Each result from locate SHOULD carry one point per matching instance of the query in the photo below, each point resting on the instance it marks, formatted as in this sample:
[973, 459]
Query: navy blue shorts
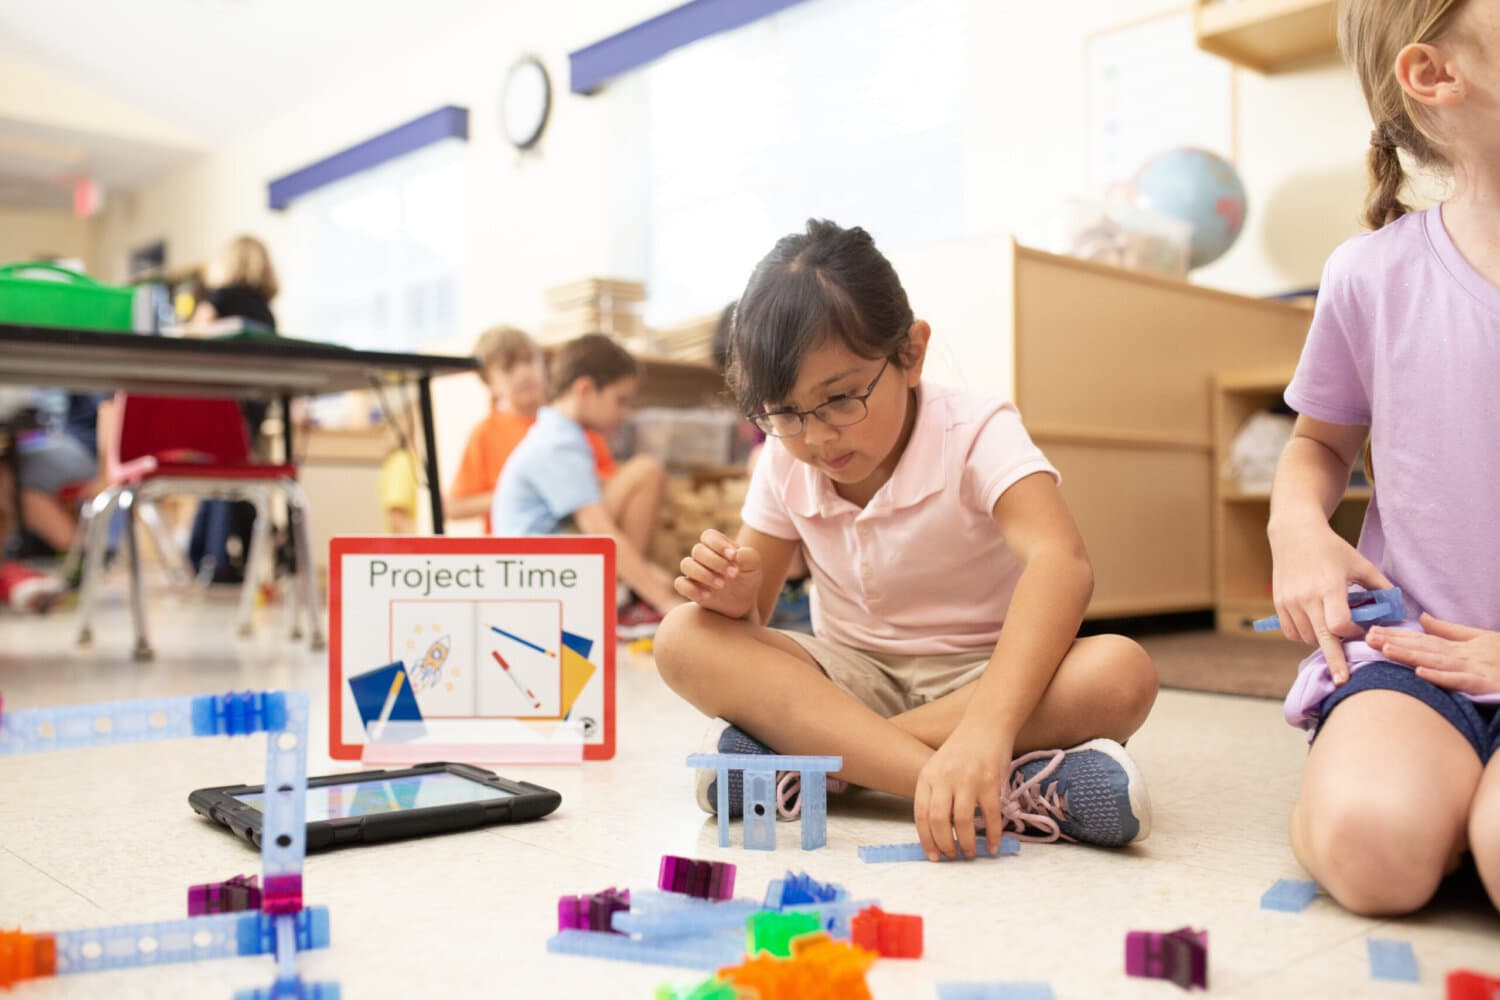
[1479, 724]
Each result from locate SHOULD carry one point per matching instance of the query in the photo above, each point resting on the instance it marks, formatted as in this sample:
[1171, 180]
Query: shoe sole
[1135, 785]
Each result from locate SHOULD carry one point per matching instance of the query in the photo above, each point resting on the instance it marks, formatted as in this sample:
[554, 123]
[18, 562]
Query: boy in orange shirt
[512, 367]
[510, 363]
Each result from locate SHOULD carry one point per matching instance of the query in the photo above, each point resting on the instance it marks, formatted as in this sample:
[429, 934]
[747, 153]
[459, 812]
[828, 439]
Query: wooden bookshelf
[1242, 555]
[1267, 35]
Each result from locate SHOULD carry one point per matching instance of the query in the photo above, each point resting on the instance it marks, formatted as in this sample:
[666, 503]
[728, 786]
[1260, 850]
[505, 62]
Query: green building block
[711, 988]
[772, 932]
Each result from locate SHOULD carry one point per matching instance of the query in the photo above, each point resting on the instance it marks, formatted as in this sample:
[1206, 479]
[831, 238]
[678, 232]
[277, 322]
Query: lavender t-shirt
[1406, 340]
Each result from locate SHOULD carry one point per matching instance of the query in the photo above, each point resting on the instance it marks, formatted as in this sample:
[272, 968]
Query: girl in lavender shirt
[1404, 775]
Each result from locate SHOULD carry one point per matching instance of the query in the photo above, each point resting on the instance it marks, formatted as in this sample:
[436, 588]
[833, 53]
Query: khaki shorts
[892, 683]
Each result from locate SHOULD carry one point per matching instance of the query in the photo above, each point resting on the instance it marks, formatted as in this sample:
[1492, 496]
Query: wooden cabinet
[1267, 35]
[1113, 376]
[1242, 555]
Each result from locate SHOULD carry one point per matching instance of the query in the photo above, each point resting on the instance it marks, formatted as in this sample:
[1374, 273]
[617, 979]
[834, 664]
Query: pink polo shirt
[921, 569]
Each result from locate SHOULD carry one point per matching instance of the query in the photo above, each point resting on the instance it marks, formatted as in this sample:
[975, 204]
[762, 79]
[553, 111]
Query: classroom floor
[98, 837]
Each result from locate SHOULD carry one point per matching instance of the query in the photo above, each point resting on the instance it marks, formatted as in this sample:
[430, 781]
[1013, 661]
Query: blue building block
[803, 888]
[239, 713]
[1367, 607]
[689, 953]
[71, 727]
[760, 827]
[874, 854]
[1289, 895]
[292, 989]
[995, 991]
[1393, 961]
[222, 935]
[685, 922]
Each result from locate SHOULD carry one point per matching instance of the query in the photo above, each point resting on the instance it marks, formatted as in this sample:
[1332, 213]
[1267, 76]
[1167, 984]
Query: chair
[174, 446]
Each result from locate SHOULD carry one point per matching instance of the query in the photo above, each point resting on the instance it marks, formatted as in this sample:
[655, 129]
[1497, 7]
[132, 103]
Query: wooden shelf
[1229, 495]
[1267, 35]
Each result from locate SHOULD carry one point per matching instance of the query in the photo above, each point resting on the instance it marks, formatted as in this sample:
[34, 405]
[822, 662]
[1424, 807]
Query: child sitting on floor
[1404, 773]
[549, 484]
[950, 579]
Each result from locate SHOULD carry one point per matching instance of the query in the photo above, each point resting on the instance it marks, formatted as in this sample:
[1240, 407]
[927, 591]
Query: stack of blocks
[759, 795]
[282, 926]
[1180, 956]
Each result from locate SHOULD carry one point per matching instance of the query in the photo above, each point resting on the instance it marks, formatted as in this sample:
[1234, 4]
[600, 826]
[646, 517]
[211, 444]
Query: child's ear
[913, 353]
[1428, 76]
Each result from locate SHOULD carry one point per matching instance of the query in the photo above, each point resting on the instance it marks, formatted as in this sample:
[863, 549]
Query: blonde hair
[504, 347]
[1372, 34]
[244, 261]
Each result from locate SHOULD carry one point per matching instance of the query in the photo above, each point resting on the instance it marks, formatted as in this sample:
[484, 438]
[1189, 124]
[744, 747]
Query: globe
[1200, 188]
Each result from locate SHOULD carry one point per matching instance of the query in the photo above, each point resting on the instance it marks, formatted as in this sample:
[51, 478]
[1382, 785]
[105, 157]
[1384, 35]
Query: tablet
[369, 807]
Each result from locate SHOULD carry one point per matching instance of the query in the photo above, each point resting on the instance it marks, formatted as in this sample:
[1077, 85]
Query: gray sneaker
[721, 737]
[1091, 793]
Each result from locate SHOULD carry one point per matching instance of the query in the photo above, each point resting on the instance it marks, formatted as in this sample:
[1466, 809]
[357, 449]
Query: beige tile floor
[105, 836]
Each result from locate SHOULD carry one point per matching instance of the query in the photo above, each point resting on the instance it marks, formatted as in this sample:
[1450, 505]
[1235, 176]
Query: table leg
[429, 442]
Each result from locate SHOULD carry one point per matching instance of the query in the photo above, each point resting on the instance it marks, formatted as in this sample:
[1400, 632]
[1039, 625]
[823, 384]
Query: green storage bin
[60, 297]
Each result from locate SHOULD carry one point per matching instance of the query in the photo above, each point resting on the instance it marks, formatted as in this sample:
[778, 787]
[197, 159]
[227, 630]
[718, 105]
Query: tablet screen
[366, 798]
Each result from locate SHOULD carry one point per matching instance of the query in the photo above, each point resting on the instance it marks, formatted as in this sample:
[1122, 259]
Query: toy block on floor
[759, 794]
[1393, 961]
[700, 879]
[1289, 895]
[890, 935]
[1180, 956]
[1466, 984]
[877, 854]
[593, 912]
[230, 896]
[771, 932]
[995, 991]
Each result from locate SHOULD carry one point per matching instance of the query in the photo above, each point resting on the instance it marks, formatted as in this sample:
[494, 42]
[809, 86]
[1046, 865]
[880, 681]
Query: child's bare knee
[678, 646]
[1127, 677]
[1373, 855]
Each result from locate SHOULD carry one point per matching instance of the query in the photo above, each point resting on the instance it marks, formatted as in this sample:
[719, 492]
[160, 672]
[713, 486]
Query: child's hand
[1311, 573]
[721, 576]
[965, 774]
[1451, 656]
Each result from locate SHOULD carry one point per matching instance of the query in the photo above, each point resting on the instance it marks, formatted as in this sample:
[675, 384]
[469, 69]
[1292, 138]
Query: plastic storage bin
[42, 294]
[687, 437]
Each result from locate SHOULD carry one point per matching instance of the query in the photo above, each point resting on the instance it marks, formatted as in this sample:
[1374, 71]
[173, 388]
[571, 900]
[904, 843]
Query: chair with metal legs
[170, 446]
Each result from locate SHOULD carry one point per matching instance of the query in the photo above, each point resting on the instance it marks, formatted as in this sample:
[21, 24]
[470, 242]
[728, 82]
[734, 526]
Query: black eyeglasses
[840, 411]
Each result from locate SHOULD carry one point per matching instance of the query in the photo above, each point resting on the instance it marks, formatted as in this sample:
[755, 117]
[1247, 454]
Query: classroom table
[256, 366]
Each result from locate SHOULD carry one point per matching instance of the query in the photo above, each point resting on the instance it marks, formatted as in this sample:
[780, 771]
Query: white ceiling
[213, 68]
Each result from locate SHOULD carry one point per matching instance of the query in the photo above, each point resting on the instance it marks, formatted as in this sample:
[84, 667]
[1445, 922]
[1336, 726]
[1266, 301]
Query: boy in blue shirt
[550, 483]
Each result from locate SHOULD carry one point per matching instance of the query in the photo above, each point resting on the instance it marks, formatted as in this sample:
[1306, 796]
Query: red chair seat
[197, 471]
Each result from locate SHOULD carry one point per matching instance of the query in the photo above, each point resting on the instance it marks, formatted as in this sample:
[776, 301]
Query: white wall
[26, 235]
[576, 207]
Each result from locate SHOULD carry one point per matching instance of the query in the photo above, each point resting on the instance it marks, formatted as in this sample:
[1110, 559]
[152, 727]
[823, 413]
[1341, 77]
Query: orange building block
[819, 967]
[892, 935]
[26, 956]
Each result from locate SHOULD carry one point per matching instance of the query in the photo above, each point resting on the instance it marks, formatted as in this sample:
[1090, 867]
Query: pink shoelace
[1027, 806]
[789, 793]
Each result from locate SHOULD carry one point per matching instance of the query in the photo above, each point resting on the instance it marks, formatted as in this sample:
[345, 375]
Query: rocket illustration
[430, 670]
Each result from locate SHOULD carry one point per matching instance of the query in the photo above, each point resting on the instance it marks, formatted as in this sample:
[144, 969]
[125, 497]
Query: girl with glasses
[949, 580]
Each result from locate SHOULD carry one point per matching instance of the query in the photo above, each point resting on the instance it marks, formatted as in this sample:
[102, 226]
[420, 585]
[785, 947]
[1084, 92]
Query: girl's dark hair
[825, 283]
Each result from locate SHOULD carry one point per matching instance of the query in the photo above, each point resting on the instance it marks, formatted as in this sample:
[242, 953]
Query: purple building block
[231, 896]
[593, 912]
[1180, 956]
[700, 879]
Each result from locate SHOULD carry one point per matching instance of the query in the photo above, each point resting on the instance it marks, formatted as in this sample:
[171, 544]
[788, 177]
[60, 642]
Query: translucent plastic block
[814, 793]
[26, 956]
[294, 989]
[1367, 607]
[760, 810]
[594, 912]
[712, 988]
[239, 713]
[874, 854]
[703, 879]
[1180, 956]
[224, 935]
[685, 922]
[688, 953]
[1393, 961]
[801, 888]
[1289, 895]
[765, 761]
[71, 727]
[230, 896]
[891, 935]
[284, 828]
